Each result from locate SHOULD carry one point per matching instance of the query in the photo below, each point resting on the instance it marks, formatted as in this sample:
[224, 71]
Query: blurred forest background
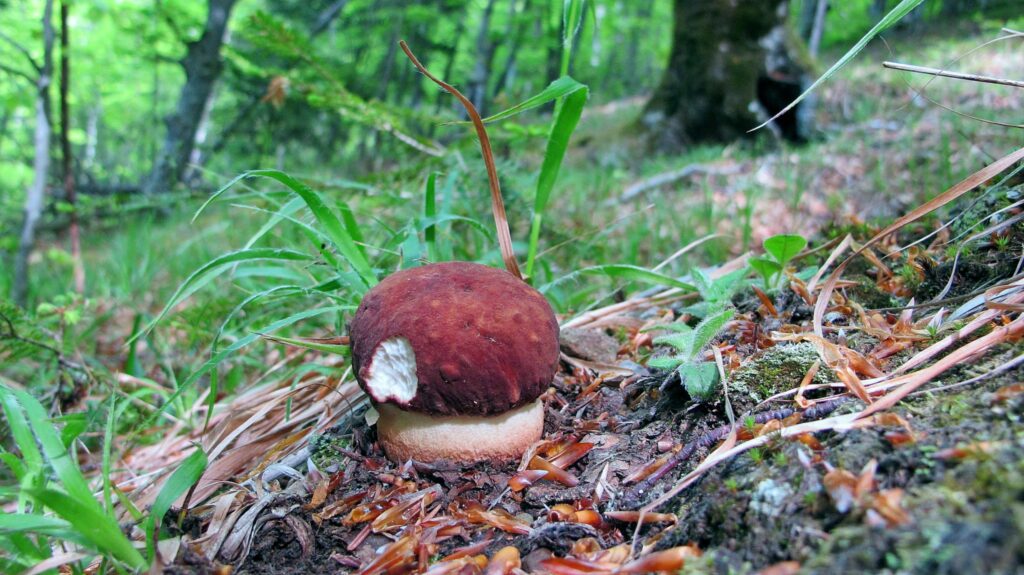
[109, 111]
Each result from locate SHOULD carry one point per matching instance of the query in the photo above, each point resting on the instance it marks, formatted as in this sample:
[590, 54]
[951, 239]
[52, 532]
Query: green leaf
[681, 341]
[183, 478]
[74, 425]
[766, 267]
[894, 16]
[94, 526]
[665, 362]
[699, 379]
[707, 329]
[49, 440]
[784, 247]
[429, 213]
[20, 431]
[677, 327]
[559, 88]
[287, 209]
[558, 143]
[215, 267]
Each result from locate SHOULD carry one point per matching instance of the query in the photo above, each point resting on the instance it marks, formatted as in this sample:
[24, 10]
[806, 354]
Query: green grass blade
[429, 213]
[184, 477]
[894, 16]
[108, 442]
[572, 21]
[425, 223]
[560, 88]
[626, 272]
[339, 234]
[558, 142]
[352, 226]
[215, 267]
[309, 344]
[57, 455]
[89, 521]
[20, 431]
[287, 209]
[332, 226]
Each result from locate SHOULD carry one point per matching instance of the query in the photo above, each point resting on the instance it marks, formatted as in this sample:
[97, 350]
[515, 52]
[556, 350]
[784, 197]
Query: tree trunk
[477, 92]
[41, 163]
[202, 66]
[729, 67]
[818, 30]
[65, 150]
[516, 30]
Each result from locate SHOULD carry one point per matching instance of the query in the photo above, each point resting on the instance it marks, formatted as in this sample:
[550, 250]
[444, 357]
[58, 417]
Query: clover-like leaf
[784, 247]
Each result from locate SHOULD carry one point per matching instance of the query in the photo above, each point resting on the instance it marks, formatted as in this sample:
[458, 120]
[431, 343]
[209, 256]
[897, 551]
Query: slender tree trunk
[516, 30]
[477, 92]
[453, 54]
[202, 66]
[65, 150]
[818, 30]
[41, 163]
[92, 133]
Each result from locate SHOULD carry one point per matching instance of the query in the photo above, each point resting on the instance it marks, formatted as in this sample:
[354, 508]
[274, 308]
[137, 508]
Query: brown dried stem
[497, 205]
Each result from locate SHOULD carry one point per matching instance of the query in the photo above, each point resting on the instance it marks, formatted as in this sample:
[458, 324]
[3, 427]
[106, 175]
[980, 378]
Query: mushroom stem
[460, 438]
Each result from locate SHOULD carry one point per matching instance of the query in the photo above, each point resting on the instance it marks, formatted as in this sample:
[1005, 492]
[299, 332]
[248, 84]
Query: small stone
[589, 344]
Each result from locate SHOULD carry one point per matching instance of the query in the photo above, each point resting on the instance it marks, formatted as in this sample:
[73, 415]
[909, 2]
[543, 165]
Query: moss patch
[775, 370]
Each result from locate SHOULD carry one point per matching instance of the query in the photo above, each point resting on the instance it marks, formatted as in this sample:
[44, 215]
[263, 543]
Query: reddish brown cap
[483, 341]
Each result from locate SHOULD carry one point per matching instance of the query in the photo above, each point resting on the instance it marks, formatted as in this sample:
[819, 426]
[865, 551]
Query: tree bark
[41, 163]
[818, 30]
[730, 66]
[203, 66]
[477, 89]
[516, 30]
[65, 150]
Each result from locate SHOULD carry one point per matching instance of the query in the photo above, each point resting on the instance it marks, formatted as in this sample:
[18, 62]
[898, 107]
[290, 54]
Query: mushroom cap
[454, 338]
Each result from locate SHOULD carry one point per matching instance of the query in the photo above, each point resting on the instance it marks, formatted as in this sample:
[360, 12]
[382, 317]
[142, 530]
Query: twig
[955, 75]
[24, 52]
[638, 188]
[632, 498]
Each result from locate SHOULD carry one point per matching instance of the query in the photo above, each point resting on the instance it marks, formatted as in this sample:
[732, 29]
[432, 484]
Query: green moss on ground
[966, 509]
[777, 369]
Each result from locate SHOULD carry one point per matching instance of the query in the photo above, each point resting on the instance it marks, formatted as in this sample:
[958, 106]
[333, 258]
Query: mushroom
[454, 357]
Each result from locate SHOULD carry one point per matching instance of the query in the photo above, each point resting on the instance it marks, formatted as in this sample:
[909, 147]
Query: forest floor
[880, 435]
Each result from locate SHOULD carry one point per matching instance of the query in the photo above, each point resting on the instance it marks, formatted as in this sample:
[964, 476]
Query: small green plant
[779, 251]
[52, 502]
[750, 424]
[699, 377]
[756, 455]
[715, 294]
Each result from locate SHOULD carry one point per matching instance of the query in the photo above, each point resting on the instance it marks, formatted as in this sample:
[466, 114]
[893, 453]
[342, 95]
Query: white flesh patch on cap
[393, 371]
